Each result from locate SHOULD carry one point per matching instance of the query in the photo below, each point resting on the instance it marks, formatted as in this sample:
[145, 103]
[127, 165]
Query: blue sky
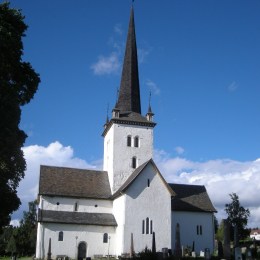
[199, 58]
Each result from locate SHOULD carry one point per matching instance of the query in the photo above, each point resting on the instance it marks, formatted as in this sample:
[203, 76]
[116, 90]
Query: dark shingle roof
[83, 218]
[191, 198]
[62, 181]
[129, 118]
[129, 93]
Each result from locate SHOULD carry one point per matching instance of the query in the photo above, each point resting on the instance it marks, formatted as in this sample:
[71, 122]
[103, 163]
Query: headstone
[207, 253]
[132, 251]
[49, 250]
[248, 254]
[177, 250]
[226, 246]
[165, 252]
[238, 254]
[220, 250]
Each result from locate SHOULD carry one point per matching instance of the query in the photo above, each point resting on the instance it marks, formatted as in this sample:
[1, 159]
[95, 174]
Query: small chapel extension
[87, 213]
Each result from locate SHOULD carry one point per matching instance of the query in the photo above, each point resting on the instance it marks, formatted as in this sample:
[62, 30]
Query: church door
[82, 250]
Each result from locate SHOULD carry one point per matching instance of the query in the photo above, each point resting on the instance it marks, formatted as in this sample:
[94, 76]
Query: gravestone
[226, 246]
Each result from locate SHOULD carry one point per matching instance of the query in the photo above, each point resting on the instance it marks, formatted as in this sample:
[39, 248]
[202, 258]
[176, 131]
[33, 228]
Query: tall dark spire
[129, 93]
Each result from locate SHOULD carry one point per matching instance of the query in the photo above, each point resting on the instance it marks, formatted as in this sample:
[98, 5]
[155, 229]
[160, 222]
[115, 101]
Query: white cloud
[220, 177]
[106, 65]
[142, 54]
[118, 29]
[55, 154]
[233, 86]
[179, 150]
[153, 87]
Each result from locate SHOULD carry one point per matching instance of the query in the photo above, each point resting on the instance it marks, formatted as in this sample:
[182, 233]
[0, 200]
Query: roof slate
[80, 218]
[191, 198]
[62, 181]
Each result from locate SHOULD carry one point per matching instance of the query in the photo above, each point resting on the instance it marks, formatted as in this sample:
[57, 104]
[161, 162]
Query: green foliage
[18, 84]
[220, 232]
[237, 215]
[11, 246]
[22, 239]
[5, 238]
[26, 234]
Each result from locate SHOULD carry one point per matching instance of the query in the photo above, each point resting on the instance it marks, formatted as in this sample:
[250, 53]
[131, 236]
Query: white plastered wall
[153, 202]
[72, 236]
[68, 204]
[188, 229]
[118, 156]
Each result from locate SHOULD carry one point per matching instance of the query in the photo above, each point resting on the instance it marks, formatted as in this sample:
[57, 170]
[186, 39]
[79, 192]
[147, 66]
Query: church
[93, 213]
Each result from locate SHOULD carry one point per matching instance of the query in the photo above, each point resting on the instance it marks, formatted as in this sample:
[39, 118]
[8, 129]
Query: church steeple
[129, 93]
[128, 136]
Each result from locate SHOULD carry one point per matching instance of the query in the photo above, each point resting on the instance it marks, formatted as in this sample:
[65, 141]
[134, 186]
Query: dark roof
[66, 217]
[135, 174]
[191, 198]
[129, 118]
[129, 93]
[62, 181]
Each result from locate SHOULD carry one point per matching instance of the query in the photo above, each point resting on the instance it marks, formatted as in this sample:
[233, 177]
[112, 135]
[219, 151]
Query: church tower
[128, 136]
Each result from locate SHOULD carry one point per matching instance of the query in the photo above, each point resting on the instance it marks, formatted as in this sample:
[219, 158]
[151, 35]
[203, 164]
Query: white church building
[90, 213]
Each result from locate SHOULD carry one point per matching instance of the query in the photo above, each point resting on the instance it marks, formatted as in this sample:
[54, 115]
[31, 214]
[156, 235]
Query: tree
[237, 216]
[26, 233]
[18, 84]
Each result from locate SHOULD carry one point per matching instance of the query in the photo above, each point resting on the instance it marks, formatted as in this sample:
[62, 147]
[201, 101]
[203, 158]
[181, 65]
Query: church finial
[149, 108]
[150, 114]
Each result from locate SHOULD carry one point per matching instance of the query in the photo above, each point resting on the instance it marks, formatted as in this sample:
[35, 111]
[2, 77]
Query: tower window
[60, 236]
[129, 140]
[148, 182]
[143, 227]
[136, 141]
[151, 226]
[134, 162]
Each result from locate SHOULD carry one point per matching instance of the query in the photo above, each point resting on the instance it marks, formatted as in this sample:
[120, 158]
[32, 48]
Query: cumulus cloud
[55, 154]
[106, 65]
[153, 87]
[221, 177]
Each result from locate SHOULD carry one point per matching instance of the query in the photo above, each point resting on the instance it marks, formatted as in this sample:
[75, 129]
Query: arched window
[147, 226]
[60, 236]
[134, 162]
[105, 238]
[136, 141]
[129, 140]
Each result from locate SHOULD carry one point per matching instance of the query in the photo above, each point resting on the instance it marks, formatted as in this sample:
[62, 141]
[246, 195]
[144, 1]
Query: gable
[71, 182]
[138, 171]
[191, 198]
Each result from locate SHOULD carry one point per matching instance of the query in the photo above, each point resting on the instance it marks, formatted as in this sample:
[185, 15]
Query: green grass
[20, 258]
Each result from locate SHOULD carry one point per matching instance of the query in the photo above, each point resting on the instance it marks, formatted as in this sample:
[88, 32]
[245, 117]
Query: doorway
[82, 250]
